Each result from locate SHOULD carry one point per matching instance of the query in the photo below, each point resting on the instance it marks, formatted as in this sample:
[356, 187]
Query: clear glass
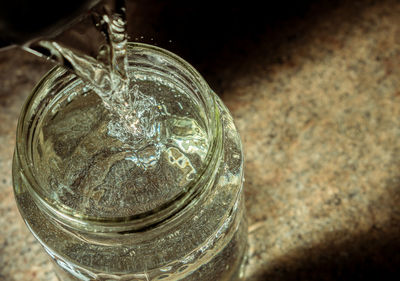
[187, 225]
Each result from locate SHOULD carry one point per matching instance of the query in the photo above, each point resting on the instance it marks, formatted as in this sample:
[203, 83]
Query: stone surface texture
[316, 97]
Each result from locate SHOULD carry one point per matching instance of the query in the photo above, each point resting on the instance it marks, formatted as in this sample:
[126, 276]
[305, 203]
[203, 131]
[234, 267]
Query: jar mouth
[46, 97]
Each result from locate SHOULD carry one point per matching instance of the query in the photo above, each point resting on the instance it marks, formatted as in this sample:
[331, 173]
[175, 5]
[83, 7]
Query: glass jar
[104, 213]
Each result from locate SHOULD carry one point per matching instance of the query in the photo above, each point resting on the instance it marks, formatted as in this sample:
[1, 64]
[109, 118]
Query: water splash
[134, 115]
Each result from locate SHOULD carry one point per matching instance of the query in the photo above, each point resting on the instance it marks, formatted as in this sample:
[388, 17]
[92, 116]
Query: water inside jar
[120, 142]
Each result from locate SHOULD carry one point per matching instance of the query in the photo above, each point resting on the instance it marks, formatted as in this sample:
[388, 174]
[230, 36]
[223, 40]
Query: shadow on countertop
[227, 39]
[371, 254]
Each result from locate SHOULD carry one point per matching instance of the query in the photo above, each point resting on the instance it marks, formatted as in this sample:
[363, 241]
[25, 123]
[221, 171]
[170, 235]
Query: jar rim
[25, 133]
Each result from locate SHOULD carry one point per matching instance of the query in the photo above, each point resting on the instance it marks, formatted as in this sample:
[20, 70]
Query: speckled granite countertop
[315, 93]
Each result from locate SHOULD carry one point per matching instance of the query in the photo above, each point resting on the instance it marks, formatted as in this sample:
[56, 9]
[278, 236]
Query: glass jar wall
[169, 209]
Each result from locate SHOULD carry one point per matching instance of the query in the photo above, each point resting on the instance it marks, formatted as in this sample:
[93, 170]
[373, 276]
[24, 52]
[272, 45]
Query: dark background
[219, 35]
